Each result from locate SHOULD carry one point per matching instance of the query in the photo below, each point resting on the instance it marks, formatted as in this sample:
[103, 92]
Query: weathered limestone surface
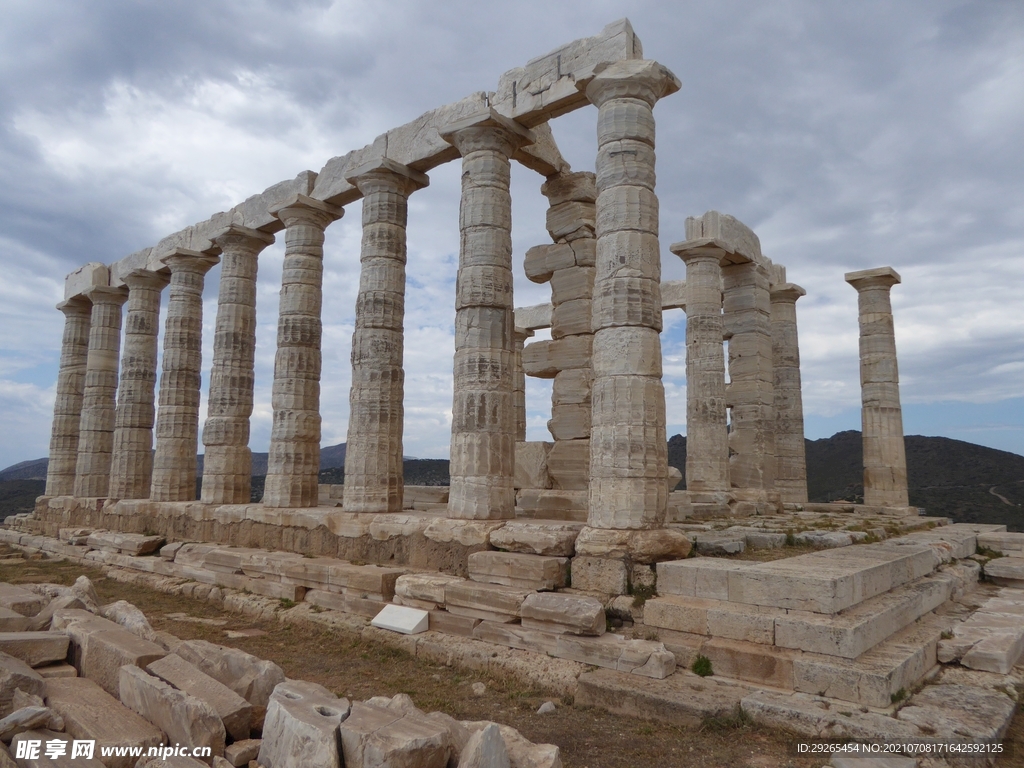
[628, 448]
[234, 711]
[519, 337]
[131, 467]
[373, 458]
[251, 678]
[35, 648]
[96, 428]
[547, 537]
[294, 461]
[67, 409]
[101, 648]
[89, 712]
[885, 460]
[177, 421]
[790, 456]
[301, 727]
[227, 463]
[483, 418]
[373, 735]
[570, 614]
[514, 569]
[16, 674]
[20, 600]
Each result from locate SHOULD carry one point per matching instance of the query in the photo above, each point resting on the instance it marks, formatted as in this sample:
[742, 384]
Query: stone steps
[990, 639]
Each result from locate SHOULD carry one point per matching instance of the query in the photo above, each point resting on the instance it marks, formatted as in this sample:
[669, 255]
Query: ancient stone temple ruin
[535, 546]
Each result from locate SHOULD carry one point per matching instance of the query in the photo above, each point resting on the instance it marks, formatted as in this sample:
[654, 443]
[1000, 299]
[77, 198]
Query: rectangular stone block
[515, 636]
[544, 359]
[12, 621]
[135, 544]
[21, 600]
[1006, 571]
[706, 577]
[599, 574]
[513, 569]
[552, 504]
[89, 712]
[542, 261]
[100, 651]
[428, 587]
[532, 464]
[638, 657]
[569, 465]
[570, 422]
[450, 624]
[563, 614]
[376, 736]
[753, 662]
[35, 648]
[1004, 543]
[333, 601]
[234, 711]
[301, 726]
[484, 601]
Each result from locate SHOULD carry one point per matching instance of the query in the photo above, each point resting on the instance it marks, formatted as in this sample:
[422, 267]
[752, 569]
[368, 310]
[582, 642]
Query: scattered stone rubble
[111, 685]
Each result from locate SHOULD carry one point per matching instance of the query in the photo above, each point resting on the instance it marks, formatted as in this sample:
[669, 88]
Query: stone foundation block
[537, 537]
[301, 727]
[484, 601]
[532, 465]
[599, 574]
[425, 587]
[553, 504]
[563, 614]
[134, 544]
[704, 577]
[513, 569]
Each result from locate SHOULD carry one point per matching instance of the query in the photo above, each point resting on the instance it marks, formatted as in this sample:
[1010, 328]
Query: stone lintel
[420, 180]
[786, 292]
[238, 229]
[86, 277]
[304, 201]
[522, 334]
[673, 294]
[873, 278]
[487, 118]
[543, 156]
[534, 318]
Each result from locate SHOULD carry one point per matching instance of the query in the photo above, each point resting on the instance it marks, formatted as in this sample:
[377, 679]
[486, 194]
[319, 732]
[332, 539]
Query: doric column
[227, 461]
[707, 434]
[519, 337]
[790, 456]
[747, 322]
[294, 465]
[177, 420]
[67, 409]
[96, 429]
[628, 448]
[373, 454]
[885, 460]
[483, 419]
[131, 468]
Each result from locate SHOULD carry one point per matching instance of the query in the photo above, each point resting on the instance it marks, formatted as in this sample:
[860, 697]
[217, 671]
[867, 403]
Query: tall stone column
[373, 454]
[628, 447]
[885, 460]
[96, 429]
[483, 419]
[747, 318]
[227, 461]
[519, 337]
[131, 468]
[294, 464]
[707, 434]
[177, 420]
[67, 409]
[790, 455]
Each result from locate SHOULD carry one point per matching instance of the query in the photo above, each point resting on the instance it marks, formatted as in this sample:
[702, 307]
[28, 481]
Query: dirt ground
[588, 738]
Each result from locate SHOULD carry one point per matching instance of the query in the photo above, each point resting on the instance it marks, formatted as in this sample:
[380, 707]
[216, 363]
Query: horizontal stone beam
[735, 239]
[92, 275]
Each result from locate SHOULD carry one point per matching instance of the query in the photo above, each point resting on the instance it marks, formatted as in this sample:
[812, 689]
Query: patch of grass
[736, 719]
[899, 696]
[946, 635]
[286, 604]
[702, 666]
[641, 594]
[991, 554]
[790, 539]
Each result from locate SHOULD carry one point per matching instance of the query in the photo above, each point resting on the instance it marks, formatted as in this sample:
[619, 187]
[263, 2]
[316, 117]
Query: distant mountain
[33, 469]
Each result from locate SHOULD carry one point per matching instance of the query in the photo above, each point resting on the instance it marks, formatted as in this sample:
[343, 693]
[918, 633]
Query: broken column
[747, 324]
[373, 456]
[790, 455]
[483, 425]
[707, 435]
[294, 464]
[227, 462]
[131, 468]
[67, 408]
[96, 429]
[628, 447]
[177, 420]
[885, 461]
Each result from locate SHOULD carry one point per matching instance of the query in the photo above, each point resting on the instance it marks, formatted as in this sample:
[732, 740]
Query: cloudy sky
[847, 135]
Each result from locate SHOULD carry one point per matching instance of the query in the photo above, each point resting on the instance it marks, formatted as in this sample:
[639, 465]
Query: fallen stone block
[402, 619]
[484, 601]
[32, 744]
[513, 569]
[12, 621]
[538, 537]
[42, 620]
[251, 678]
[301, 727]
[58, 670]
[376, 736]
[89, 712]
[485, 749]
[560, 613]
[713, 544]
[968, 712]
[1006, 571]
[185, 719]
[131, 618]
[16, 674]
[35, 648]
[20, 600]
[27, 719]
[234, 711]
[241, 752]
[100, 651]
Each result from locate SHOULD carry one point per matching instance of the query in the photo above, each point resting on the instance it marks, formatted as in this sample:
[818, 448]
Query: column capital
[699, 251]
[104, 295]
[237, 235]
[487, 130]
[390, 174]
[521, 334]
[881, 277]
[76, 305]
[184, 260]
[630, 79]
[302, 209]
[143, 278]
[784, 292]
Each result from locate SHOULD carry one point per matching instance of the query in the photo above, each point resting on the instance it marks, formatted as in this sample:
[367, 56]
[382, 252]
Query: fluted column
[294, 463]
[67, 408]
[628, 448]
[885, 460]
[177, 420]
[131, 468]
[227, 461]
[790, 455]
[373, 453]
[96, 429]
[482, 464]
[519, 337]
[707, 434]
[750, 393]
